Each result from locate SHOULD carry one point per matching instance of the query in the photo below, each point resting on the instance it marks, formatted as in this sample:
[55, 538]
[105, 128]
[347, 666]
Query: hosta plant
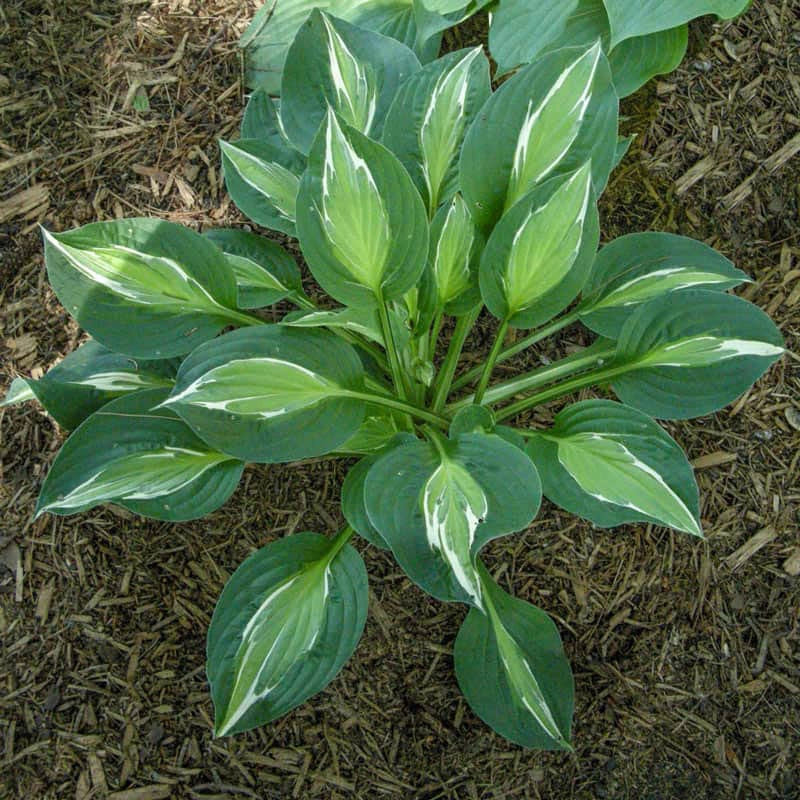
[642, 38]
[419, 197]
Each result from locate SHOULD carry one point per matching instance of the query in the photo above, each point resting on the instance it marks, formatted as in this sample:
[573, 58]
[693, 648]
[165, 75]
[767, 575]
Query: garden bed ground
[686, 654]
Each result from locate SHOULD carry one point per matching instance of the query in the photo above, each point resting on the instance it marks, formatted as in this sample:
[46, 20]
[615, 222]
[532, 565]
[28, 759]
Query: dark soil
[686, 654]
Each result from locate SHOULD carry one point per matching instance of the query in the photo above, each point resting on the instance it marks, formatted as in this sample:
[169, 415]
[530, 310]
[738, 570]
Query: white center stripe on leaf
[524, 686]
[138, 277]
[146, 475]
[356, 222]
[268, 178]
[121, 381]
[443, 123]
[248, 273]
[454, 505]
[453, 251]
[608, 471]
[257, 387]
[547, 242]
[549, 130]
[356, 95]
[701, 351]
[657, 282]
[280, 632]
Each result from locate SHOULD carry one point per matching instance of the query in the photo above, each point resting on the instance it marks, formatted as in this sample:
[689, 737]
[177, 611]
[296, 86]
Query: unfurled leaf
[512, 669]
[271, 393]
[437, 504]
[265, 273]
[539, 125]
[365, 322]
[361, 222]
[262, 121]
[87, 379]
[636, 268]
[518, 36]
[612, 465]
[687, 355]
[146, 459]
[539, 255]
[263, 181]
[550, 127]
[353, 503]
[286, 622]
[638, 17]
[142, 287]
[350, 70]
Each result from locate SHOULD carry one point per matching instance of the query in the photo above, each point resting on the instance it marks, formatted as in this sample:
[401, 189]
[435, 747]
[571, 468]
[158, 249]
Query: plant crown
[417, 195]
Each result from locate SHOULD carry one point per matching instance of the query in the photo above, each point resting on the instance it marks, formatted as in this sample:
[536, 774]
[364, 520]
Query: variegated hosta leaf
[271, 393]
[612, 464]
[262, 121]
[438, 503]
[539, 255]
[454, 242]
[518, 37]
[274, 26]
[444, 122]
[638, 17]
[87, 379]
[690, 355]
[537, 125]
[286, 622]
[429, 117]
[265, 273]
[355, 85]
[263, 181]
[361, 223]
[513, 671]
[550, 128]
[145, 459]
[636, 268]
[143, 287]
[335, 65]
[364, 322]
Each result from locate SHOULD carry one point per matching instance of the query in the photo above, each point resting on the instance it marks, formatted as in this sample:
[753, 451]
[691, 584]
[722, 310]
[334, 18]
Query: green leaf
[263, 181]
[612, 465]
[361, 222]
[377, 430]
[511, 667]
[636, 268]
[638, 17]
[262, 121]
[271, 394]
[687, 357]
[335, 65]
[429, 116]
[265, 273]
[143, 287]
[87, 379]
[539, 255]
[437, 504]
[537, 125]
[364, 322]
[353, 504]
[269, 36]
[518, 37]
[284, 626]
[142, 458]
[472, 419]
[452, 263]
[635, 61]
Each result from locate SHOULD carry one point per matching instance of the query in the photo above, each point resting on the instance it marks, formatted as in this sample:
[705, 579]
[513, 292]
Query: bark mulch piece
[686, 654]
